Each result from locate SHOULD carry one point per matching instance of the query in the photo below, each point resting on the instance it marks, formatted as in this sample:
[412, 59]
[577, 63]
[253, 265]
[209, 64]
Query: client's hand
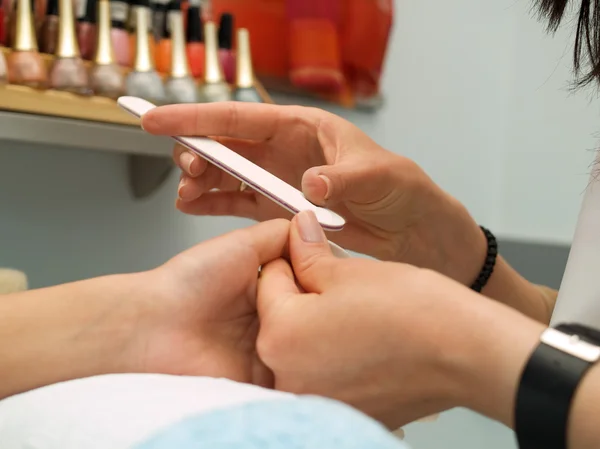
[198, 315]
[397, 342]
[393, 209]
[194, 315]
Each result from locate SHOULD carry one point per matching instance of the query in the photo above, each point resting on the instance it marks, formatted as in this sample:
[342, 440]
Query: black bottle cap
[89, 15]
[119, 12]
[195, 29]
[52, 8]
[142, 3]
[226, 31]
[172, 6]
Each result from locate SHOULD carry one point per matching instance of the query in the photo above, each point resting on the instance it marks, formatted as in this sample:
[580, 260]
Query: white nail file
[246, 171]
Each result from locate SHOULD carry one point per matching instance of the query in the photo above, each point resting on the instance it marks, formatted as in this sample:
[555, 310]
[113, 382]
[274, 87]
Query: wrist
[491, 358]
[66, 332]
[510, 288]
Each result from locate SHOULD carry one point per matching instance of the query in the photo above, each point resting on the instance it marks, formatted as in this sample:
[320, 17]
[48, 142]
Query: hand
[393, 340]
[393, 209]
[194, 315]
[197, 313]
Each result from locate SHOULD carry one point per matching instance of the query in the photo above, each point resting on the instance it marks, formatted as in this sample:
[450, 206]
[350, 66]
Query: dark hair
[586, 57]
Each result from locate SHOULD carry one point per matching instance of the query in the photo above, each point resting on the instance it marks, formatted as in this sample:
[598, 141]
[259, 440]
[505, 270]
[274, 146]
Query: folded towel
[12, 281]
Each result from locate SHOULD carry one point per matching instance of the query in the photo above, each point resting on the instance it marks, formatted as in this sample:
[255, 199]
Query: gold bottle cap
[25, 39]
[179, 63]
[105, 54]
[67, 39]
[244, 77]
[144, 62]
[213, 72]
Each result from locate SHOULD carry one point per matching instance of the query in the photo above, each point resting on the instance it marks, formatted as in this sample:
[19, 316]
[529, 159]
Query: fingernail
[328, 184]
[181, 186]
[186, 160]
[309, 228]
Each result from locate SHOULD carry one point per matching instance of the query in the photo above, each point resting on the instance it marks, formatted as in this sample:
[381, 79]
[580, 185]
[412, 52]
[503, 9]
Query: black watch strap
[548, 385]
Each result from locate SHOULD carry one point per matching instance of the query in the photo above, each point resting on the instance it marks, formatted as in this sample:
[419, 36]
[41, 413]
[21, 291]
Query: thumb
[310, 253]
[332, 184]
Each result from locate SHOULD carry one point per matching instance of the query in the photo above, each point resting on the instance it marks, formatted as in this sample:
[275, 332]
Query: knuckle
[310, 262]
[233, 118]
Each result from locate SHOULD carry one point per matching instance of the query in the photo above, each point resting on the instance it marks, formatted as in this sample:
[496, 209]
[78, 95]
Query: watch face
[584, 333]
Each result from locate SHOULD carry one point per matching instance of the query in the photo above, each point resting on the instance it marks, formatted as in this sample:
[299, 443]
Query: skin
[194, 315]
[398, 361]
[394, 211]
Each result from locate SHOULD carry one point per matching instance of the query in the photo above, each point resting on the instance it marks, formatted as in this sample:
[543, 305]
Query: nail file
[246, 171]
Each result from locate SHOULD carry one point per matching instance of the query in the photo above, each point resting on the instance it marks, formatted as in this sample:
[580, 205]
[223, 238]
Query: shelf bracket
[148, 173]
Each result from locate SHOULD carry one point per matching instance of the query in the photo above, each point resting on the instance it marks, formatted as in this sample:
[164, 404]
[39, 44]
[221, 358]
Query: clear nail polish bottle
[215, 88]
[143, 81]
[107, 77]
[180, 86]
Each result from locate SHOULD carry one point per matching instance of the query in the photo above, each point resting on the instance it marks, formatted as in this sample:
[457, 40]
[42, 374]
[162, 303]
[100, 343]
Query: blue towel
[304, 423]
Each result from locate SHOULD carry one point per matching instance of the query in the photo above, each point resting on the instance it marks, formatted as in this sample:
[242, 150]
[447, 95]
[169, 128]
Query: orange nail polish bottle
[164, 46]
[195, 39]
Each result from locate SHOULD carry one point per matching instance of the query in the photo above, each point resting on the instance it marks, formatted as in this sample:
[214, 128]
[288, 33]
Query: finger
[254, 121]
[213, 177]
[356, 179]
[311, 256]
[222, 204]
[268, 240]
[192, 164]
[276, 283]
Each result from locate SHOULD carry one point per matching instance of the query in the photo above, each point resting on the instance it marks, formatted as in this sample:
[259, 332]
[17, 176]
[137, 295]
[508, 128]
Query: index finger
[268, 240]
[251, 121]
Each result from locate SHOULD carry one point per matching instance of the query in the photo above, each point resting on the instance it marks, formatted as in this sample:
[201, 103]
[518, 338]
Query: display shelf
[63, 119]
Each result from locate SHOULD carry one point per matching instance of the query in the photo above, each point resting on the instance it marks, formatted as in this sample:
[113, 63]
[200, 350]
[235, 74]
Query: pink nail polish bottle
[119, 12]
[226, 55]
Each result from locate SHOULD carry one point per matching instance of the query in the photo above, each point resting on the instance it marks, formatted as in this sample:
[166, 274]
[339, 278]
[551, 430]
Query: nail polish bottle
[119, 10]
[39, 15]
[48, 37]
[180, 86]
[145, 6]
[25, 65]
[195, 39]
[244, 76]
[68, 72]
[12, 25]
[107, 79]
[3, 69]
[143, 81]
[164, 48]
[3, 23]
[215, 88]
[86, 27]
[159, 11]
[226, 47]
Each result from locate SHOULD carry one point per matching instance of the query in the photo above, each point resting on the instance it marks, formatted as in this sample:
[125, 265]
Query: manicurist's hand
[395, 341]
[194, 315]
[393, 209]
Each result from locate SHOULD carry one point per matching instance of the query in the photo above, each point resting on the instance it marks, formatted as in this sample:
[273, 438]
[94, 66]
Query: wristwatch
[549, 383]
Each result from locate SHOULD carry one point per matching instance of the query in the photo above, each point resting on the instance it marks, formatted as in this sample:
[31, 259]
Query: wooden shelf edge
[63, 105]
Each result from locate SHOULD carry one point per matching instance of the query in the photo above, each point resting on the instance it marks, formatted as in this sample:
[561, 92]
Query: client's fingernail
[186, 160]
[309, 228]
